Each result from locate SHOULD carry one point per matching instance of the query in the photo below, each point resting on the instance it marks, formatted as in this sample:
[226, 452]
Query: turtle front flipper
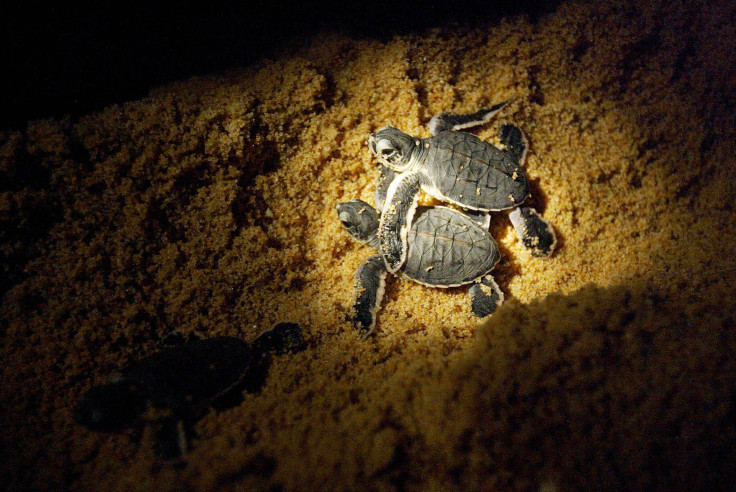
[370, 283]
[451, 121]
[398, 211]
[172, 439]
[534, 232]
[384, 179]
[485, 297]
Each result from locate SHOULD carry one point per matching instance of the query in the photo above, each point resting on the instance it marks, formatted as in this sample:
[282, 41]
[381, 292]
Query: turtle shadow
[174, 387]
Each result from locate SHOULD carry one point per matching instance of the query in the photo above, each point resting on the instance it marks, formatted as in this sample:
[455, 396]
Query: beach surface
[209, 207]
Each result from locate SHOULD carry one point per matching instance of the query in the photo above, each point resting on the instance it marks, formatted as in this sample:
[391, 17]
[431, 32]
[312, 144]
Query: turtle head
[282, 338]
[359, 219]
[393, 148]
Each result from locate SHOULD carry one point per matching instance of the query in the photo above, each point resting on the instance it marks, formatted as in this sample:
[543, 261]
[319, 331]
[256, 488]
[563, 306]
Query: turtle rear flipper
[534, 232]
[485, 297]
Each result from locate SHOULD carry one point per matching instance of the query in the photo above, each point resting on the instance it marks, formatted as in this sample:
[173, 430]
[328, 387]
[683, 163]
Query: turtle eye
[346, 220]
[384, 146]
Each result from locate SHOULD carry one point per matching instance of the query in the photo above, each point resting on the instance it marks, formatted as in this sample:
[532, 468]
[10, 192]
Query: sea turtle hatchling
[179, 383]
[455, 167]
[446, 248]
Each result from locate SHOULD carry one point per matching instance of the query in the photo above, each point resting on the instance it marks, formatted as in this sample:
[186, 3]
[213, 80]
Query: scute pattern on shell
[447, 248]
[474, 174]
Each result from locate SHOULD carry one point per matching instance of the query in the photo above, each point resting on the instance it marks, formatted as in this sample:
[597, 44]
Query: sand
[209, 206]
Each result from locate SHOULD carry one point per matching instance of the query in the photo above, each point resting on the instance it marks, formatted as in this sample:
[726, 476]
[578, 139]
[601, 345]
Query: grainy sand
[210, 206]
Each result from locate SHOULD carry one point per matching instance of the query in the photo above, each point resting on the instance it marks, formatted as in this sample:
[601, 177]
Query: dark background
[65, 59]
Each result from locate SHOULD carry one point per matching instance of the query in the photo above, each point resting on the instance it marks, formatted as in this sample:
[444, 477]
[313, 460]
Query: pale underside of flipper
[451, 121]
[401, 202]
[385, 177]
